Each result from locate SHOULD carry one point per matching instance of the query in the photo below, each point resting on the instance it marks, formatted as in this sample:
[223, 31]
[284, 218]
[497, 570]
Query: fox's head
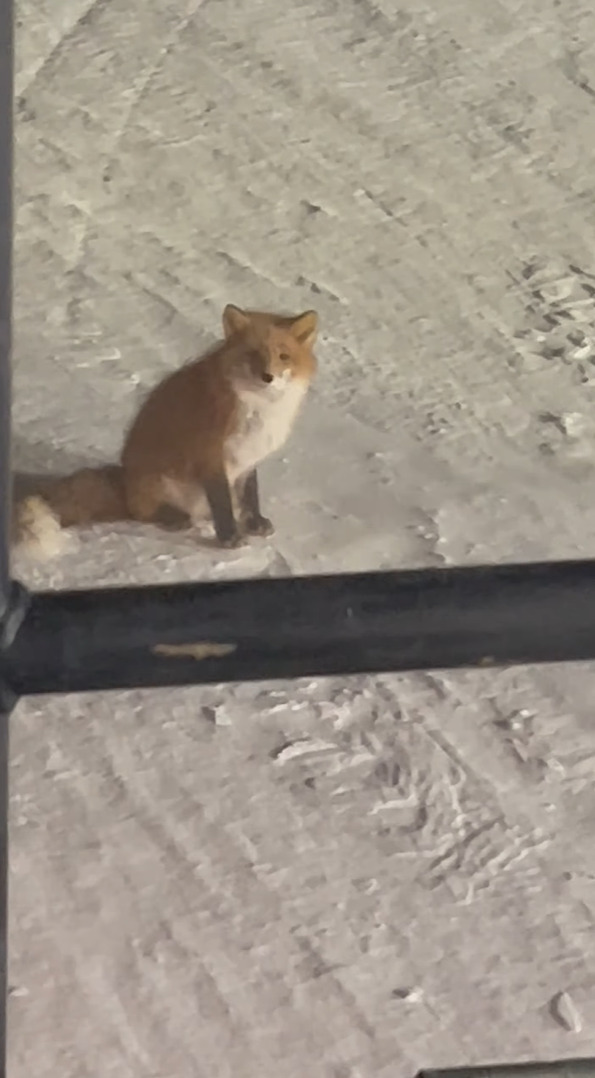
[277, 349]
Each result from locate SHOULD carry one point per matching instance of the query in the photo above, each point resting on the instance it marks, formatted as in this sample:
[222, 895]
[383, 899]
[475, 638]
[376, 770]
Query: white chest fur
[264, 424]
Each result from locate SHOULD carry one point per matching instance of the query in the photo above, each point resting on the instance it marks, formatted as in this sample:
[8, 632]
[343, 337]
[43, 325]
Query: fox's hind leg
[150, 502]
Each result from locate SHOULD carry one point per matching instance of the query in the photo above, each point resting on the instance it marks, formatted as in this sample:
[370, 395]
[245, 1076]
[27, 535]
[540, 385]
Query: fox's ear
[234, 320]
[305, 327]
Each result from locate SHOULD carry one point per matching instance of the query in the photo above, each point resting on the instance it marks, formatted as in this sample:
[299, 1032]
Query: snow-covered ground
[346, 878]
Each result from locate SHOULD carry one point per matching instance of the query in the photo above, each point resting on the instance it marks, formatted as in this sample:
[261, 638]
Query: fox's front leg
[218, 495]
[252, 519]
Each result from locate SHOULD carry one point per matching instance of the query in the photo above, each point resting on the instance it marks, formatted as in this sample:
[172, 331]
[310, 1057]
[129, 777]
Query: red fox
[195, 444]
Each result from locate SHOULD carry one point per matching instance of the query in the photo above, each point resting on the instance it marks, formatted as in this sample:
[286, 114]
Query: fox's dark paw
[259, 526]
[232, 542]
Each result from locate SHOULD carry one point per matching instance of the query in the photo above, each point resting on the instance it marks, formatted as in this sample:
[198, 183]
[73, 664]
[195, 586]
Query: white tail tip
[38, 531]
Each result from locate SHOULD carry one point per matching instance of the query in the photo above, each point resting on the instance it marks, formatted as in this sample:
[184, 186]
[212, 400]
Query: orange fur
[197, 439]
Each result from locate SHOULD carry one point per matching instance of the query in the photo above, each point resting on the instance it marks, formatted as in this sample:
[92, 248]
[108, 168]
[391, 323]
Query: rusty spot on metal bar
[202, 649]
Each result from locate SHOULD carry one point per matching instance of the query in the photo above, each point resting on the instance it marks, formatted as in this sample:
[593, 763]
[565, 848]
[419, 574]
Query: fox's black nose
[266, 377]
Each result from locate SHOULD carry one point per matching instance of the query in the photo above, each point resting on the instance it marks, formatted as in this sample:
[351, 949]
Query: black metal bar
[7, 621]
[6, 95]
[185, 634]
[560, 1068]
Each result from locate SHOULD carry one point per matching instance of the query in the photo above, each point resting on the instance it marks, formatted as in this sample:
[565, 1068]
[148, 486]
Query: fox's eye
[284, 357]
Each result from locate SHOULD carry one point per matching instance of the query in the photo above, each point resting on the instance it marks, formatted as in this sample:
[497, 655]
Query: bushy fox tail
[90, 496]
